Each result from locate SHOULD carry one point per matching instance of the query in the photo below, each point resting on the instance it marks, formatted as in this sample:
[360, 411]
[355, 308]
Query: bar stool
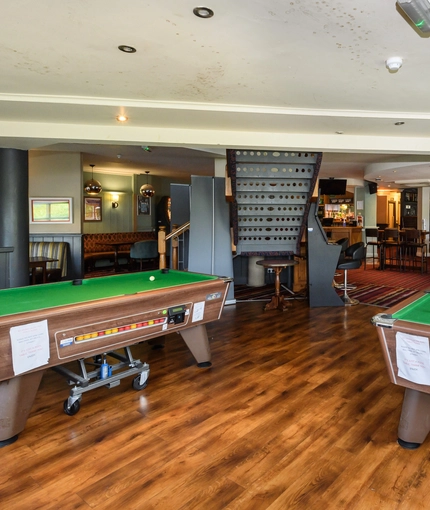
[372, 240]
[343, 243]
[352, 260]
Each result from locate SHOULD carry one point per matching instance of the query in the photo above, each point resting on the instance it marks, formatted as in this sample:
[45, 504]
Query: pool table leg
[16, 399]
[197, 341]
[414, 422]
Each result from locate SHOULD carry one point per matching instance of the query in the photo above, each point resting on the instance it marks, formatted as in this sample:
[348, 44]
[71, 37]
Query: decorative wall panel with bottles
[271, 193]
[409, 205]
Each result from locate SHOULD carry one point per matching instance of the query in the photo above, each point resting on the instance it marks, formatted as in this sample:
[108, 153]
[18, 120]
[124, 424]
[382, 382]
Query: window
[51, 210]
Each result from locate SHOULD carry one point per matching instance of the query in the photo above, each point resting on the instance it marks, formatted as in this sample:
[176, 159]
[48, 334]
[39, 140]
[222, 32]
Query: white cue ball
[152, 278]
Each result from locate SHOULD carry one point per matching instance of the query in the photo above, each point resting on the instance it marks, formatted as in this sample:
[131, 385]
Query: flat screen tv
[332, 186]
[373, 187]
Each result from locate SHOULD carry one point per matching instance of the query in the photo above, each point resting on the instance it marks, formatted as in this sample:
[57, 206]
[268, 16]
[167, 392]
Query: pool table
[410, 319]
[52, 324]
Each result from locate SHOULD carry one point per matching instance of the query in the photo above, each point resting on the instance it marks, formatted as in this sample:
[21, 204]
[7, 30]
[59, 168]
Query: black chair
[373, 241]
[144, 250]
[352, 259]
[344, 243]
[327, 222]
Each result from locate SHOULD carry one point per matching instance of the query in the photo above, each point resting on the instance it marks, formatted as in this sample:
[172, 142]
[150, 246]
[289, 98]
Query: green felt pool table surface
[37, 297]
[417, 311]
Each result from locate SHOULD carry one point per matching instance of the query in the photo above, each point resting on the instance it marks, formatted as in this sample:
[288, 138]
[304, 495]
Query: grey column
[14, 222]
[210, 241]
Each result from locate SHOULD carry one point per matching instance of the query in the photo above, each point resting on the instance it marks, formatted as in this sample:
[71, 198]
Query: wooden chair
[412, 243]
[392, 246]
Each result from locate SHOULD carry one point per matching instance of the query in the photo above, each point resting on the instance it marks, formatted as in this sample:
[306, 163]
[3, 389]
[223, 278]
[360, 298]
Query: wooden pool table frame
[17, 393]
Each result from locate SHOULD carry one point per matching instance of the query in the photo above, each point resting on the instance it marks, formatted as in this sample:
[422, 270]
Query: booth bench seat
[98, 252]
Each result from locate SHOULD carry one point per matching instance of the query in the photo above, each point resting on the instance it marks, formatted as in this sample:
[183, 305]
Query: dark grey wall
[14, 222]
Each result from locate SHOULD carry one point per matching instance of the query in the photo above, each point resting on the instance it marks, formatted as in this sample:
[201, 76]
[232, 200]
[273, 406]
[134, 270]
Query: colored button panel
[122, 329]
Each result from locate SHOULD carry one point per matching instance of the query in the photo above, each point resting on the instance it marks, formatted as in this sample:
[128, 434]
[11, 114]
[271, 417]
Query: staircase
[270, 195]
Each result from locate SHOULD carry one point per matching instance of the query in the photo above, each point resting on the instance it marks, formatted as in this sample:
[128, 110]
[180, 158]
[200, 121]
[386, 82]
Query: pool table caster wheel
[204, 364]
[140, 381]
[407, 444]
[7, 442]
[71, 410]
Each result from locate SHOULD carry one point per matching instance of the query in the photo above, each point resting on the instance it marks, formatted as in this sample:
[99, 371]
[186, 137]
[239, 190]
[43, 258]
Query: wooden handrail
[174, 235]
[177, 231]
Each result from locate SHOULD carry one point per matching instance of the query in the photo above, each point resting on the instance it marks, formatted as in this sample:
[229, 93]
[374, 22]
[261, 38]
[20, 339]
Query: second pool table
[411, 317]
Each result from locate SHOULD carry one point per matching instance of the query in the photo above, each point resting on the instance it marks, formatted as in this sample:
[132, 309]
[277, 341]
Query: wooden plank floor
[297, 412]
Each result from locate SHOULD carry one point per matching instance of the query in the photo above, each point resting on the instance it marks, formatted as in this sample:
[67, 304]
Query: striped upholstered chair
[56, 250]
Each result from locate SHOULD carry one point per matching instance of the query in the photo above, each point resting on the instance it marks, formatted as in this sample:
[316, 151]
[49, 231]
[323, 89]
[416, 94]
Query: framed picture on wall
[143, 205]
[51, 210]
[92, 209]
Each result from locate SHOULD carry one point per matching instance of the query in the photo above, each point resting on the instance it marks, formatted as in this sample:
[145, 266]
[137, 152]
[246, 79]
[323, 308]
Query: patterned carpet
[386, 288]
[392, 278]
[377, 295]
[373, 287]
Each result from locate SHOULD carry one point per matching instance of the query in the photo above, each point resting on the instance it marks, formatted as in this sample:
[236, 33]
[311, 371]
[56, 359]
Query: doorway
[392, 217]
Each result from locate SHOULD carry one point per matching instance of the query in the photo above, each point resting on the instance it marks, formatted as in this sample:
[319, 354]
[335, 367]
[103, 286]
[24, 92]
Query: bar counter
[354, 234]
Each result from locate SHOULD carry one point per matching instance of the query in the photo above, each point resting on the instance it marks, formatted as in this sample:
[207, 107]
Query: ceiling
[298, 75]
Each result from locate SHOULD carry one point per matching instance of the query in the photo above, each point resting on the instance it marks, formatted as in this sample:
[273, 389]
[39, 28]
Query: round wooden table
[277, 265]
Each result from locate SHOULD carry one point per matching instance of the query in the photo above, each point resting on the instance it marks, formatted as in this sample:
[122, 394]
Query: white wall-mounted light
[418, 11]
[393, 64]
[115, 198]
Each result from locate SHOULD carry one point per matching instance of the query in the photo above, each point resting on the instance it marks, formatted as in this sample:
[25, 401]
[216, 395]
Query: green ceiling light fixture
[147, 190]
[92, 187]
[418, 11]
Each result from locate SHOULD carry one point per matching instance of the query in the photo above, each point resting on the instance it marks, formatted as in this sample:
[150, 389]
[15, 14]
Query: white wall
[53, 174]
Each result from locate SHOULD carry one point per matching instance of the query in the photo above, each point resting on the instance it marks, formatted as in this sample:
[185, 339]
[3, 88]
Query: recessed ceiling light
[398, 123]
[127, 49]
[121, 118]
[203, 12]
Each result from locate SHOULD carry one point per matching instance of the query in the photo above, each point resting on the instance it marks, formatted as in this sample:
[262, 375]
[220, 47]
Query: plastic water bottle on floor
[104, 369]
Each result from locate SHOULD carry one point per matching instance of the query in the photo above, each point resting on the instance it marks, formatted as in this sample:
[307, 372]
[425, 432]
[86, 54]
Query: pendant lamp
[147, 190]
[92, 187]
